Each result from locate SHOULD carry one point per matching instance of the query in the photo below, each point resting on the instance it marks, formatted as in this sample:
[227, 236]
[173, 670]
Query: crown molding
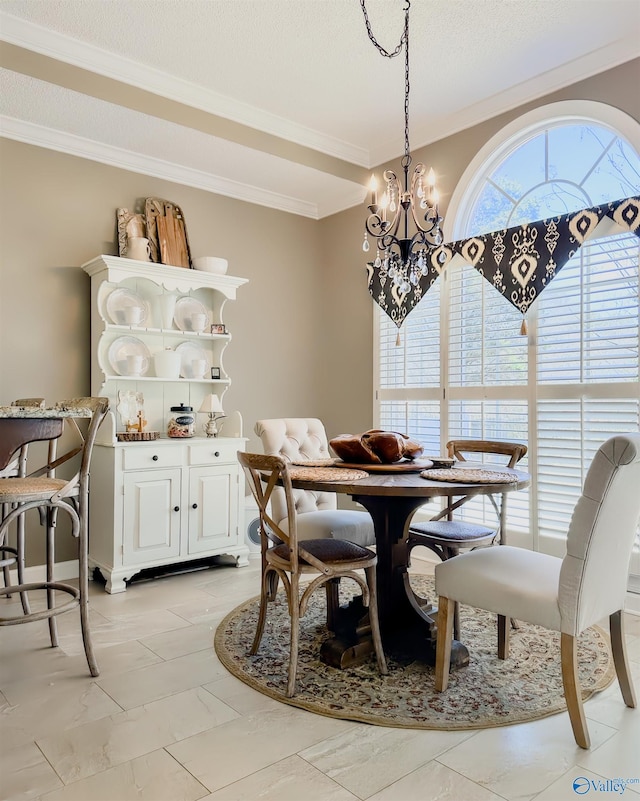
[73, 145]
[64, 48]
[600, 60]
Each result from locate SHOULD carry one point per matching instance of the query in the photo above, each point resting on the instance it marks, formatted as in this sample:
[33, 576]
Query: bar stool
[41, 490]
[17, 468]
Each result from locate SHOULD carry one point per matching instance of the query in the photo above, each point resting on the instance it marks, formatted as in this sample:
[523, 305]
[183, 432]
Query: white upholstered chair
[297, 439]
[566, 595]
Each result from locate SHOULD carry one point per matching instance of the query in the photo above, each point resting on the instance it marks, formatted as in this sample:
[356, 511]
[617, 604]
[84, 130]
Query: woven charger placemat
[326, 474]
[314, 462]
[462, 476]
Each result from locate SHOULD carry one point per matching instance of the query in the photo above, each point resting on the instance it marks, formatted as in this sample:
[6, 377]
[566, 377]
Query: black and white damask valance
[518, 262]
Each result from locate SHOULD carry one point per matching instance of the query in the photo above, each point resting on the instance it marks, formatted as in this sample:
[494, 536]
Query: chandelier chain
[380, 48]
[403, 43]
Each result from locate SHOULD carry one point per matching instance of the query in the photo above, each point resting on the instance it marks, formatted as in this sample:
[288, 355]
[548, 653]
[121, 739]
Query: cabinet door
[151, 515]
[213, 508]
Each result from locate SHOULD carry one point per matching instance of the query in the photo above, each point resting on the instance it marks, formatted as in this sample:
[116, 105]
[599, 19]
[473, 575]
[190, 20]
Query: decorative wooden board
[405, 466]
[167, 232]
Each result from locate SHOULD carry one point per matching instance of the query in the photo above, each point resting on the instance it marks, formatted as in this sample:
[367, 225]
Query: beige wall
[58, 212]
[302, 326]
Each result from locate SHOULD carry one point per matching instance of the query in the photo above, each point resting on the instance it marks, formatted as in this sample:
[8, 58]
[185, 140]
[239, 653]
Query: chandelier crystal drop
[404, 218]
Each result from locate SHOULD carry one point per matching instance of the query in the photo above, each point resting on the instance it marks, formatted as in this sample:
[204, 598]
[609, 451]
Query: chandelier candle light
[211, 405]
[405, 220]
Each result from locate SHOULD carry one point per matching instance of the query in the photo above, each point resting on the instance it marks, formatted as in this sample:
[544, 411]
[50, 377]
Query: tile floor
[164, 720]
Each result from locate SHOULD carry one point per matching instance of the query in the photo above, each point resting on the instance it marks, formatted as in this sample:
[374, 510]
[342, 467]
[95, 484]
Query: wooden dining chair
[566, 595]
[43, 491]
[447, 538]
[304, 439]
[285, 557]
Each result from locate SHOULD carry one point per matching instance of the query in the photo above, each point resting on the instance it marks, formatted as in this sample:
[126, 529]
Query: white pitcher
[138, 248]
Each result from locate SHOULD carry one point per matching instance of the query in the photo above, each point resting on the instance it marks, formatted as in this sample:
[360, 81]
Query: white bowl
[211, 264]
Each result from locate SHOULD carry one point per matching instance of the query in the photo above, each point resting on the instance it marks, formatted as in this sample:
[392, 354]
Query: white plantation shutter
[485, 345]
[409, 373]
[415, 362]
[588, 339]
[588, 316]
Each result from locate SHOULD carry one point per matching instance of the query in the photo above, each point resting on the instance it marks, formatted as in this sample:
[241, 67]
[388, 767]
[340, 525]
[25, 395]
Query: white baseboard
[64, 571]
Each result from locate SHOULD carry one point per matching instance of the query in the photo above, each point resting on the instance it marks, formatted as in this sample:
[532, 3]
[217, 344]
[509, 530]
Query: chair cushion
[451, 530]
[509, 581]
[327, 550]
[23, 490]
[338, 524]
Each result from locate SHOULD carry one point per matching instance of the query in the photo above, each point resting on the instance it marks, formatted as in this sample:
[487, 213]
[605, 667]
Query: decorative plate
[123, 347]
[186, 307]
[118, 303]
[191, 352]
[464, 476]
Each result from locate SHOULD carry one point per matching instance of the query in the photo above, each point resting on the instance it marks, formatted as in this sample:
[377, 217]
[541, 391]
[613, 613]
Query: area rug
[489, 692]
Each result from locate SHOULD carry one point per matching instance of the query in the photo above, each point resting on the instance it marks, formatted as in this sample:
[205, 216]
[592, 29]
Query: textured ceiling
[286, 95]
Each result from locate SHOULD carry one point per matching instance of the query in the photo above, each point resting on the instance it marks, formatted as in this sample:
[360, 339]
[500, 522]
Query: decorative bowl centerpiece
[375, 447]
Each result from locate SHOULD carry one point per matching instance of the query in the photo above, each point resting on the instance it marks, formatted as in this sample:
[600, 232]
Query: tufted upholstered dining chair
[447, 538]
[286, 558]
[297, 439]
[566, 595]
[50, 495]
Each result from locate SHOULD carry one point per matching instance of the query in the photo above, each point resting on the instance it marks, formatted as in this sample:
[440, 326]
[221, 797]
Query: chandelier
[404, 219]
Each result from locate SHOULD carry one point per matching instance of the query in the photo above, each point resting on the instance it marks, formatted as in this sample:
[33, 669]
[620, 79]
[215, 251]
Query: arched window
[464, 369]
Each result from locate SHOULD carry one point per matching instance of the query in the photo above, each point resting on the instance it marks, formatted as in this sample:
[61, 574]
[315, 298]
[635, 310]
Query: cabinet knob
[217, 453]
[155, 458]
[176, 508]
[194, 506]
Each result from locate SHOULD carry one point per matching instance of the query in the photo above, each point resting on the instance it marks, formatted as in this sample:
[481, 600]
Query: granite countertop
[33, 412]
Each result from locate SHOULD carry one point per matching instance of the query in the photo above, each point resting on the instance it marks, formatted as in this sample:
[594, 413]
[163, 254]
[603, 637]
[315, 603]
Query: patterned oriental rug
[489, 692]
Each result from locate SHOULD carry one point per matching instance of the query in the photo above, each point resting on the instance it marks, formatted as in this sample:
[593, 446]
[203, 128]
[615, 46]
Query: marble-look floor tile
[119, 629]
[292, 779]
[437, 783]
[56, 709]
[576, 783]
[619, 756]
[212, 612]
[98, 746]
[240, 696]
[252, 743]
[172, 644]
[152, 777]
[143, 686]
[55, 668]
[24, 772]
[368, 759]
[517, 762]
[147, 596]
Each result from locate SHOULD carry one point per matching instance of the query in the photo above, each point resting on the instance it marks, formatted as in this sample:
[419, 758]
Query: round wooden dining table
[407, 621]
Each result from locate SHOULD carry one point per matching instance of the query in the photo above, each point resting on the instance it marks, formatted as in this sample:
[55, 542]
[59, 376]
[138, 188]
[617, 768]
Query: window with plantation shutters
[463, 369]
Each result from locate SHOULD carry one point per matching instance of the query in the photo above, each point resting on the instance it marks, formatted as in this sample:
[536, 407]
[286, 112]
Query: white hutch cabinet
[165, 501]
